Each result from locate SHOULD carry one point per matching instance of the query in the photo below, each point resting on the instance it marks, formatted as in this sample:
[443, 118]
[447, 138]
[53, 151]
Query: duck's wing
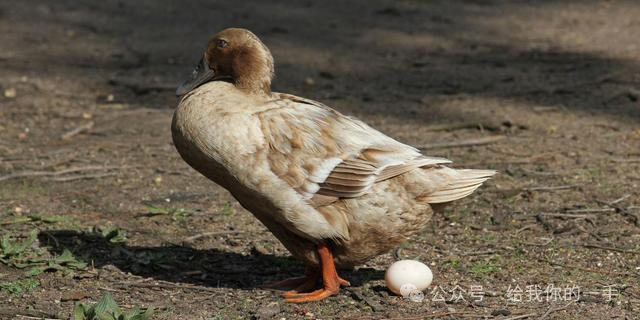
[325, 155]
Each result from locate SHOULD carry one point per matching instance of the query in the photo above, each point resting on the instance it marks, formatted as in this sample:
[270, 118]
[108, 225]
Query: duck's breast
[212, 129]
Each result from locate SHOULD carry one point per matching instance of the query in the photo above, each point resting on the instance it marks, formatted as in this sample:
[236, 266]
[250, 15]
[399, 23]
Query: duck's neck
[252, 73]
[251, 86]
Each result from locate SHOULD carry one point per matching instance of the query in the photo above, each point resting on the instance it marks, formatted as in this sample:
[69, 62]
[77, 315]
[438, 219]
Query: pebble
[10, 93]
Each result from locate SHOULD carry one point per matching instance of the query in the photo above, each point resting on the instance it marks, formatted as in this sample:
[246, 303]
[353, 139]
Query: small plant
[65, 262]
[454, 264]
[175, 213]
[17, 254]
[19, 286]
[109, 233]
[227, 209]
[49, 219]
[107, 309]
[11, 250]
[484, 267]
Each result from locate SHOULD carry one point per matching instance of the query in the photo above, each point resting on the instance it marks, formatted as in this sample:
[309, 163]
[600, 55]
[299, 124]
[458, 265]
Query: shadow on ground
[427, 50]
[183, 264]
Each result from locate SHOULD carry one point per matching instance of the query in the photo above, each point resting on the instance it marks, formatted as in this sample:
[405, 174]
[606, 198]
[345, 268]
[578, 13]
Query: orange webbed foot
[331, 282]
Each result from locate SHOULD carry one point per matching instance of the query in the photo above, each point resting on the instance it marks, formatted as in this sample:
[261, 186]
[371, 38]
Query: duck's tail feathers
[464, 183]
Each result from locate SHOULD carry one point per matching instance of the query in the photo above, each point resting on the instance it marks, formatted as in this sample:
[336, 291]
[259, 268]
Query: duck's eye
[222, 44]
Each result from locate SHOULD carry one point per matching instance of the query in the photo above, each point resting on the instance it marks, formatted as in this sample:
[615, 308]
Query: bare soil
[88, 86]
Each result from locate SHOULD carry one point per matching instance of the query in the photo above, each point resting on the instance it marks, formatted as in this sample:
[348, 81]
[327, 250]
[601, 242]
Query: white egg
[404, 276]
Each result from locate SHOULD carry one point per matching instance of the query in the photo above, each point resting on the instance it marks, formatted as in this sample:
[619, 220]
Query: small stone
[10, 93]
[23, 136]
[87, 115]
[157, 180]
[110, 97]
[309, 81]
[259, 248]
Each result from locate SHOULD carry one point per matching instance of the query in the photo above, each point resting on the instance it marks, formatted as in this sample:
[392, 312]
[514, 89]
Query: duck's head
[235, 55]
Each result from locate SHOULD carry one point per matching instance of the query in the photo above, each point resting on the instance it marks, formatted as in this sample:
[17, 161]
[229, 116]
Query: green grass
[454, 264]
[177, 214]
[22, 189]
[484, 267]
[227, 209]
[19, 286]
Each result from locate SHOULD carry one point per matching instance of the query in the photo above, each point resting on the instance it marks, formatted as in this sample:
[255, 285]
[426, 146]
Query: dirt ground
[86, 157]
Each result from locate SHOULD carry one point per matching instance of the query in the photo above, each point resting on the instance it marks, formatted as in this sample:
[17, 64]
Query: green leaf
[14, 220]
[79, 312]
[66, 256]
[33, 235]
[107, 309]
[48, 219]
[111, 233]
[154, 211]
[35, 271]
[67, 259]
[142, 315]
[132, 313]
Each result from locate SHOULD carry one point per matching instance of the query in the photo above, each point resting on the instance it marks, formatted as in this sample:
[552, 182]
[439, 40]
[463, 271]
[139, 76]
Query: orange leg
[331, 282]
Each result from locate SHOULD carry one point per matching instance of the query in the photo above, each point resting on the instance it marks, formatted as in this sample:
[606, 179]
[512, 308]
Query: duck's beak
[200, 75]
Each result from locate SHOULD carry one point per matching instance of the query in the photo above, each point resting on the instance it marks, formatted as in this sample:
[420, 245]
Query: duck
[333, 190]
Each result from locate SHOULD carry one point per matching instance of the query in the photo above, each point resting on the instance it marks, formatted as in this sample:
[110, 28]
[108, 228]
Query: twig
[594, 210]
[57, 244]
[567, 215]
[169, 285]
[463, 143]
[551, 310]
[596, 246]
[462, 125]
[622, 211]
[23, 174]
[84, 127]
[623, 198]
[29, 314]
[208, 234]
[479, 253]
[515, 191]
[622, 160]
[38, 318]
[540, 173]
[552, 188]
[527, 227]
[589, 232]
[521, 316]
[83, 176]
